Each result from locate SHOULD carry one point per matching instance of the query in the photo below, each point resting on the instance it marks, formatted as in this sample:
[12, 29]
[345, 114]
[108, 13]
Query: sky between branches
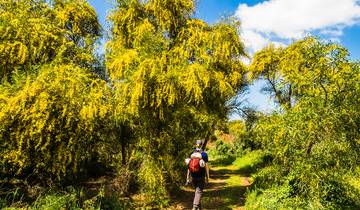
[277, 21]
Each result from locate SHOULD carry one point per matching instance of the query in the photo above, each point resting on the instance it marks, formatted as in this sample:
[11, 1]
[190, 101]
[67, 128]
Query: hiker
[198, 170]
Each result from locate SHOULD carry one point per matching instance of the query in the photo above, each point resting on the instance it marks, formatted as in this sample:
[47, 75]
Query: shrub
[312, 152]
[152, 181]
[222, 151]
[55, 201]
[50, 125]
[314, 140]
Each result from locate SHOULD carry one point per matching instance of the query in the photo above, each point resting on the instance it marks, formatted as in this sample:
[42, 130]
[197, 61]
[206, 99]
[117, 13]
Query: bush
[314, 139]
[273, 198]
[312, 152]
[113, 202]
[50, 126]
[222, 151]
[55, 201]
[152, 181]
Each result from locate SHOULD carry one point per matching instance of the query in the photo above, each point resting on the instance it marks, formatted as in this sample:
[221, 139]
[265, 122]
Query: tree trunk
[209, 136]
[123, 152]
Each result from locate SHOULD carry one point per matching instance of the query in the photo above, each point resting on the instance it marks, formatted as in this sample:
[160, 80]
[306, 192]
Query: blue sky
[278, 21]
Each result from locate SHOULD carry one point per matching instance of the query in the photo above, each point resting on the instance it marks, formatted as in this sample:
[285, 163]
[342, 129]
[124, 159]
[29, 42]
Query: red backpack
[194, 165]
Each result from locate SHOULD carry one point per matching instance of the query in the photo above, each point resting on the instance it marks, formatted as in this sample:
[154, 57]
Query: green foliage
[12, 196]
[243, 132]
[275, 198]
[151, 178]
[222, 150]
[56, 201]
[72, 199]
[316, 143]
[250, 160]
[113, 202]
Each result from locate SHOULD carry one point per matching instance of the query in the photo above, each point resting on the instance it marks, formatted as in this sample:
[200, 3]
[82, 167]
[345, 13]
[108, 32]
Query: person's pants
[199, 187]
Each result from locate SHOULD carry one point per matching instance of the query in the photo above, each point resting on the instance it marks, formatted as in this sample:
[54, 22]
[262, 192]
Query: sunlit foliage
[309, 67]
[173, 74]
[53, 123]
[33, 33]
[52, 107]
[168, 77]
[314, 145]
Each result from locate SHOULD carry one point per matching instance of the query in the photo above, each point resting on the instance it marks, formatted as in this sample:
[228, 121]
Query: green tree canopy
[315, 144]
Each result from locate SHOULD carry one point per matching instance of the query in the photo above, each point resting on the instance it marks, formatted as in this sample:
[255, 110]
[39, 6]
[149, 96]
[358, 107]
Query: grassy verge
[229, 182]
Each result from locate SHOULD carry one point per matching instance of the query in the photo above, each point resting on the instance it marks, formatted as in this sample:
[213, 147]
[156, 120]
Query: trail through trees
[226, 189]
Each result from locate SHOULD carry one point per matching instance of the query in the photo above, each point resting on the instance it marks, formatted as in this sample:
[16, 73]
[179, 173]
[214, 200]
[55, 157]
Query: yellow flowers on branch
[33, 33]
[174, 74]
[52, 123]
[313, 142]
[52, 105]
[308, 67]
[169, 78]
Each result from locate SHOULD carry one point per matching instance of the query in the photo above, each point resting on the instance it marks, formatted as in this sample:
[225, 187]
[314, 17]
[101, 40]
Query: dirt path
[225, 190]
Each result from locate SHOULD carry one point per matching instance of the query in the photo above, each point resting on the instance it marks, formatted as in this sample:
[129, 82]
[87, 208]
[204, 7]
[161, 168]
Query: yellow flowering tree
[315, 144]
[54, 110]
[33, 33]
[173, 74]
[52, 125]
[309, 67]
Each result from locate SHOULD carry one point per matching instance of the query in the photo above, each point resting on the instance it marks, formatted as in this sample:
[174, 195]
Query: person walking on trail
[198, 170]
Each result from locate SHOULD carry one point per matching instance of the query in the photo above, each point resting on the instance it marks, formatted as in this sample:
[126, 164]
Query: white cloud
[292, 19]
[333, 31]
[254, 40]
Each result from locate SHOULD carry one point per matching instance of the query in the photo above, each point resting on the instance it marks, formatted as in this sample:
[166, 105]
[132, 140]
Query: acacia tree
[173, 74]
[51, 125]
[33, 33]
[315, 144]
[266, 64]
[53, 110]
[305, 68]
